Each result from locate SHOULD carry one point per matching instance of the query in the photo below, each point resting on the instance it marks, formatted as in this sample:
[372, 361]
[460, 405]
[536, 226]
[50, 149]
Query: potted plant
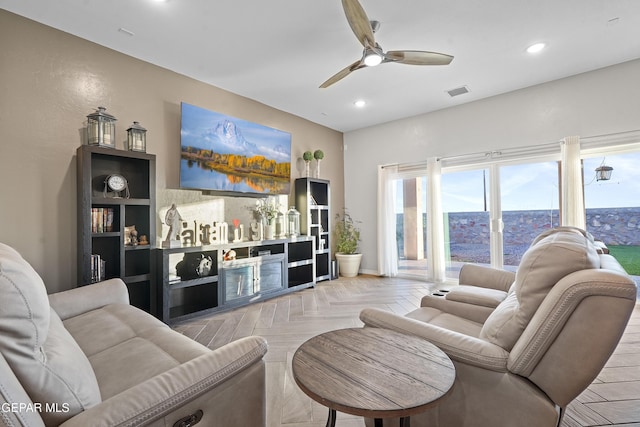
[318, 155]
[267, 210]
[307, 156]
[347, 236]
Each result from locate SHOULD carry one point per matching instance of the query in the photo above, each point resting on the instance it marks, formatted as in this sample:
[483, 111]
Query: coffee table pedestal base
[331, 421]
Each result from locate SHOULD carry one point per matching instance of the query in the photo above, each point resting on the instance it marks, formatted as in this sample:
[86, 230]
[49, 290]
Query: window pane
[466, 219]
[530, 205]
[613, 207]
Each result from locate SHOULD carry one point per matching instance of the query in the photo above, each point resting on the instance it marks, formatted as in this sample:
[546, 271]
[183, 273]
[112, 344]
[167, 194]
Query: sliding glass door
[465, 207]
[530, 204]
[411, 229]
[491, 215]
[493, 209]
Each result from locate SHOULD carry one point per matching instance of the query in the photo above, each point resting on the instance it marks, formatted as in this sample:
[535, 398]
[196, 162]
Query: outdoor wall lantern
[603, 173]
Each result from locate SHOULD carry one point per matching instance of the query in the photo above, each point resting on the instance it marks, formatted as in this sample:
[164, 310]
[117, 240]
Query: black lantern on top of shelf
[137, 138]
[101, 128]
[603, 173]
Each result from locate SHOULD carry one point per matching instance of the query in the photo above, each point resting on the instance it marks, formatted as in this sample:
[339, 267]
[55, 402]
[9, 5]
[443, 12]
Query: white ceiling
[279, 51]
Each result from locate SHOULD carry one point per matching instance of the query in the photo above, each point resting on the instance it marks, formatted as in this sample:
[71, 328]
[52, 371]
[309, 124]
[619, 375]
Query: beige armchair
[546, 340]
[85, 357]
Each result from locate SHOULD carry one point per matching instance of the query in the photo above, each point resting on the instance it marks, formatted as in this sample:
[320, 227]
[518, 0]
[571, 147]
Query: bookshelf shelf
[102, 253]
[312, 197]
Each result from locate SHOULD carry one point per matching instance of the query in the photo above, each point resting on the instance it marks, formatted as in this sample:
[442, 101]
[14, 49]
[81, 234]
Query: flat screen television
[223, 153]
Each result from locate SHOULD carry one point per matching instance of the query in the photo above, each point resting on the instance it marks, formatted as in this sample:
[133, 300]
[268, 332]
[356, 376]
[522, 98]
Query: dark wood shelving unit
[133, 264]
[313, 196]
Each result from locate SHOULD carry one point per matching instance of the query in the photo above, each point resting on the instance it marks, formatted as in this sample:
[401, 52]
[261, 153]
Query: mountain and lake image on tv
[224, 153]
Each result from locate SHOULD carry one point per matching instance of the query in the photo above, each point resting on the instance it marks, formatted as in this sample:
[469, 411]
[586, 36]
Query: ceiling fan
[373, 53]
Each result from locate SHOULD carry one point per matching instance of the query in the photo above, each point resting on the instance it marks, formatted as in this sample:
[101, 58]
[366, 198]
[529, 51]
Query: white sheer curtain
[435, 223]
[387, 244]
[573, 213]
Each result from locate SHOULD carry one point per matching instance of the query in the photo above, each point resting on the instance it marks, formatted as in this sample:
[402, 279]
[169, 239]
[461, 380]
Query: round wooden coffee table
[372, 372]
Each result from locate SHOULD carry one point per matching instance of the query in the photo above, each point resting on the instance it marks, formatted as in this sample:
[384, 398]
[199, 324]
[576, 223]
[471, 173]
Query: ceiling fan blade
[359, 22]
[342, 74]
[418, 57]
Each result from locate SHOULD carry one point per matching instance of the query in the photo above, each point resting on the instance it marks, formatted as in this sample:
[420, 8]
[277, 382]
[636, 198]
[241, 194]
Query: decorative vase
[306, 168]
[317, 168]
[270, 230]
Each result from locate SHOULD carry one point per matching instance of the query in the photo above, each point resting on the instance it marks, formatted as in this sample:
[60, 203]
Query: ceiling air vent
[458, 91]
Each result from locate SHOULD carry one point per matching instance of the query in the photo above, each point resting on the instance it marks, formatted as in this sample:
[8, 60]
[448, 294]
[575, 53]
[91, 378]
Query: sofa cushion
[133, 348]
[40, 351]
[546, 262]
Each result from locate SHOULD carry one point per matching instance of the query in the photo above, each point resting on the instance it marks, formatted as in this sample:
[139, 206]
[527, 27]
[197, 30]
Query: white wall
[596, 103]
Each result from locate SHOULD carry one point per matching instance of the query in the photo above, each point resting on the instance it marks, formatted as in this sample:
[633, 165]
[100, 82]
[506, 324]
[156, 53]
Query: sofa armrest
[475, 295]
[466, 310]
[80, 300]
[459, 347]
[16, 407]
[486, 277]
[169, 391]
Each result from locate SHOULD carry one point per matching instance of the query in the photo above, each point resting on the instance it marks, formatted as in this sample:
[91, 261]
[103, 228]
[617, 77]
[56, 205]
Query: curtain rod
[500, 152]
[620, 136]
[411, 165]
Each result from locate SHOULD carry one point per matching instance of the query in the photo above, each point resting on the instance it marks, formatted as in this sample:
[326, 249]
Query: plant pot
[270, 230]
[348, 264]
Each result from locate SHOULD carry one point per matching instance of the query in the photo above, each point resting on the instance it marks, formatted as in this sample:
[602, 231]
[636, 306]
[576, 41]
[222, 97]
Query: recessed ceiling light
[360, 103]
[535, 48]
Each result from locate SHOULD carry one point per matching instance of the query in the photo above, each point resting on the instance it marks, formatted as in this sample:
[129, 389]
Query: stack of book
[101, 220]
[97, 268]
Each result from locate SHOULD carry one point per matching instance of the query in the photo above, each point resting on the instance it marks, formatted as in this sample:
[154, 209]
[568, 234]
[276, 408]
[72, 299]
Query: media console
[201, 279]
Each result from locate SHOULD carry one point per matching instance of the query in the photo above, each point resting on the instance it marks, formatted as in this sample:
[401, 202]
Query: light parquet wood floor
[287, 321]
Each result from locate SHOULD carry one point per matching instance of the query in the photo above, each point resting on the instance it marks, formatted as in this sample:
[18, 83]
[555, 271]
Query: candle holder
[101, 129]
[137, 138]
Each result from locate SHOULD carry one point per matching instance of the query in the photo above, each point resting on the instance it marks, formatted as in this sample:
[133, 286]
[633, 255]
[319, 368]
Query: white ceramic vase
[270, 230]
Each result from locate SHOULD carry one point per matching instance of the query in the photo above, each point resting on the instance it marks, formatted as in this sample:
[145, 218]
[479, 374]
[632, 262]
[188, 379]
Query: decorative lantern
[101, 128]
[603, 173]
[293, 222]
[137, 138]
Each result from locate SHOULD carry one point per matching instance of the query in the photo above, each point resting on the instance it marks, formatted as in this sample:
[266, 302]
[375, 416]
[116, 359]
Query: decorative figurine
[229, 255]
[128, 235]
[174, 221]
[134, 237]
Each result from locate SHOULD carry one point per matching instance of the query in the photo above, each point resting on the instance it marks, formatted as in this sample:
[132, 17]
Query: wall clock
[116, 185]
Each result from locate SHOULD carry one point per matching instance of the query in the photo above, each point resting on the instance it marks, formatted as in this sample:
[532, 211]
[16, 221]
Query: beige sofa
[85, 357]
[556, 322]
